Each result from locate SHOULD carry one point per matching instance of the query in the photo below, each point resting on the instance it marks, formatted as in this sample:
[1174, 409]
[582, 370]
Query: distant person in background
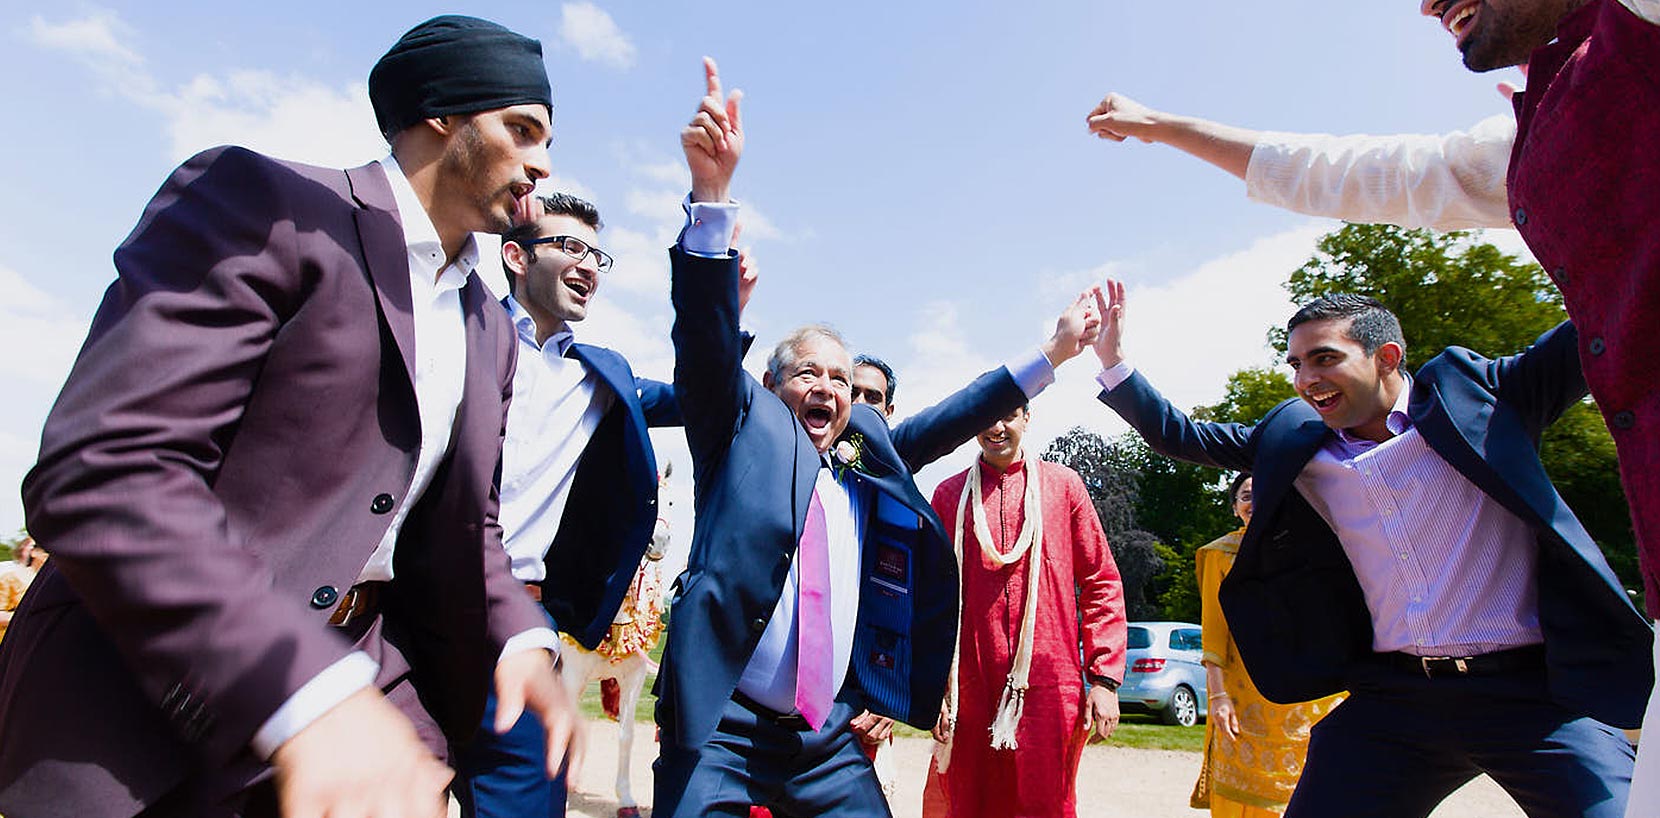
[16, 576]
[1254, 749]
[1038, 581]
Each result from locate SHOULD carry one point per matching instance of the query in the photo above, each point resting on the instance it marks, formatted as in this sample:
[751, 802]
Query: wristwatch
[1107, 682]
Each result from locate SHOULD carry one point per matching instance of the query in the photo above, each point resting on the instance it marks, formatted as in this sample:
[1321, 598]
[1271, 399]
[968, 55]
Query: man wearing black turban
[278, 582]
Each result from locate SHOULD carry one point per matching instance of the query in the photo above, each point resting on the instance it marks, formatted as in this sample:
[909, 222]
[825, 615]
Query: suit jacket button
[1597, 346]
[324, 597]
[757, 625]
[1624, 419]
[1561, 275]
[1521, 217]
[381, 504]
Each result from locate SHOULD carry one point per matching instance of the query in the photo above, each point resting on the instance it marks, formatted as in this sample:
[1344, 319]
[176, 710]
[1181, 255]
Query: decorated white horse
[623, 658]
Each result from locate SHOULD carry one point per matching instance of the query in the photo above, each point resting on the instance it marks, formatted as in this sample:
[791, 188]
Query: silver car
[1163, 673]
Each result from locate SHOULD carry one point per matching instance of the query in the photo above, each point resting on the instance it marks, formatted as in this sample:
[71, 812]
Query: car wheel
[1183, 708]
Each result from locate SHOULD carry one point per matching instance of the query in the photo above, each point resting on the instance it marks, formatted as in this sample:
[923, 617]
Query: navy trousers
[1401, 743]
[751, 760]
[505, 776]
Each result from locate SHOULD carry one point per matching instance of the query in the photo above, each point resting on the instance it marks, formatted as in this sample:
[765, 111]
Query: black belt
[788, 721]
[1531, 657]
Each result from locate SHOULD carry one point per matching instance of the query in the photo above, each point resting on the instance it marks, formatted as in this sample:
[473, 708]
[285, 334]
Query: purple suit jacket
[217, 461]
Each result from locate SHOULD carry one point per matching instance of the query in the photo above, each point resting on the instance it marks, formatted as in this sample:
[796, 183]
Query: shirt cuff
[708, 230]
[1110, 379]
[334, 685]
[529, 640]
[1031, 373]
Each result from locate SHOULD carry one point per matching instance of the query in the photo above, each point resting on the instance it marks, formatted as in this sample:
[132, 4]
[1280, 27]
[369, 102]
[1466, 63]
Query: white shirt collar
[526, 326]
[419, 235]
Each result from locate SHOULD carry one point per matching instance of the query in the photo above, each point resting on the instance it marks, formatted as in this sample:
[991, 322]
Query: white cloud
[594, 36]
[1187, 334]
[290, 116]
[99, 35]
[40, 336]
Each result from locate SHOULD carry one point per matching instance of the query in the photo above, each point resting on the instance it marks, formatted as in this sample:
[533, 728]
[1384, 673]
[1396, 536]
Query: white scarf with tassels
[1013, 702]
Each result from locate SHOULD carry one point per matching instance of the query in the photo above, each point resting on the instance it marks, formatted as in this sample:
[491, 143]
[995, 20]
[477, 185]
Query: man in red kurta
[1077, 632]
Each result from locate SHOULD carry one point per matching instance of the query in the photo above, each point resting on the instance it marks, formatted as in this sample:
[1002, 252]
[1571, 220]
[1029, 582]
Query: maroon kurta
[1080, 605]
[1585, 195]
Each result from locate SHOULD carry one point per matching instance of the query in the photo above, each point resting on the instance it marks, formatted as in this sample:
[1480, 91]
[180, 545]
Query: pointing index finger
[711, 75]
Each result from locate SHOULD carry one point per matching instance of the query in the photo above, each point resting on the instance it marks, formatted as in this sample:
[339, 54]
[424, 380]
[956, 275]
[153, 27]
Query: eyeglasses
[575, 248]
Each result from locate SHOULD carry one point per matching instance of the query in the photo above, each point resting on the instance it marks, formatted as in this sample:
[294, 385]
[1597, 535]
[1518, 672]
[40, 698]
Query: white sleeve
[1647, 9]
[1454, 181]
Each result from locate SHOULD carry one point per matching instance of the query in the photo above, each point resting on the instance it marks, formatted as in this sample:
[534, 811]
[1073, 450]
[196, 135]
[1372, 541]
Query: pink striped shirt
[1445, 569]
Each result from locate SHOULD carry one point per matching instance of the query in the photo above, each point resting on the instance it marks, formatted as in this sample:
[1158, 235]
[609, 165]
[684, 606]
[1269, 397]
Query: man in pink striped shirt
[1408, 547]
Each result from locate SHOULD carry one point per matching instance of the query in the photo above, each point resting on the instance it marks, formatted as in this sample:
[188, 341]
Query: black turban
[456, 65]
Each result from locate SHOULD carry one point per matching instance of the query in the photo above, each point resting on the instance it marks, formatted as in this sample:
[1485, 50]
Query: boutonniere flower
[848, 453]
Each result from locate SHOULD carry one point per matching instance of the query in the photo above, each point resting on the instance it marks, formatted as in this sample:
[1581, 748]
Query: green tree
[1249, 395]
[1450, 289]
[1111, 472]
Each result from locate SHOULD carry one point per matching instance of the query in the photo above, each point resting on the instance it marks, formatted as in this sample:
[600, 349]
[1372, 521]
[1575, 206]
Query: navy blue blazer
[754, 470]
[612, 510]
[1292, 600]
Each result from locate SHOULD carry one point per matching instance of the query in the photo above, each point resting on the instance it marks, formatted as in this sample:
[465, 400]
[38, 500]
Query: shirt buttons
[1561, 275]
[1624, 419]
[1597, 346]
[381, 504]
[324, 597]
[1521, 216]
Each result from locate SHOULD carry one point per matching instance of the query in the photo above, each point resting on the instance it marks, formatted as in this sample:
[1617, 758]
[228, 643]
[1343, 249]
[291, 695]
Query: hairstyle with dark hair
[557, 204]
[881, 366]
[784, 355]
[1233, 487]
[1371, 324]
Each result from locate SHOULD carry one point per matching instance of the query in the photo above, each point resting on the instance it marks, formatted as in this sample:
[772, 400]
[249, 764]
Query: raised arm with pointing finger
[1453, 181]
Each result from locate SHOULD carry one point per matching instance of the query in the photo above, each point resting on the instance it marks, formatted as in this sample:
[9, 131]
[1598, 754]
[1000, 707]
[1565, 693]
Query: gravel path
[1112, 781]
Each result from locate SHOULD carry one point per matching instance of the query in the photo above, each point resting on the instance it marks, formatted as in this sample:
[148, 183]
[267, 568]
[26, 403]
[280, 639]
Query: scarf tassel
[1009, 710]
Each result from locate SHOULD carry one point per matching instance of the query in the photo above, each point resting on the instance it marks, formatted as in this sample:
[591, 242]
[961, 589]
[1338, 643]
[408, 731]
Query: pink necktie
[814, 688]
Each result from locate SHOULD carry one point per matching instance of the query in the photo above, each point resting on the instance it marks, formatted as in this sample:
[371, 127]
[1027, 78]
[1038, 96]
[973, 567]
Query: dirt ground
[1112, 781]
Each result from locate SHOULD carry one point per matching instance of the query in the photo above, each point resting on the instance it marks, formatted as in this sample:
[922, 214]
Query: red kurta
[1080, 605]
[1583, 193]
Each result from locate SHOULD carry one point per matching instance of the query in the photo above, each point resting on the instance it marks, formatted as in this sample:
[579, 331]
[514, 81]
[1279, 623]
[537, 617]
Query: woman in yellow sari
[1254, 748]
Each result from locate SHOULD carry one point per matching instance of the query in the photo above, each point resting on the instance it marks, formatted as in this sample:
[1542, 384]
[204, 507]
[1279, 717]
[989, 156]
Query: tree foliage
[1448, 289]
[1249, 395]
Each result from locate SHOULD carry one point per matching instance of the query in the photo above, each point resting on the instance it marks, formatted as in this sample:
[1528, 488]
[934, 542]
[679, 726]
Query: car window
[1140, 638]
[1187, 639]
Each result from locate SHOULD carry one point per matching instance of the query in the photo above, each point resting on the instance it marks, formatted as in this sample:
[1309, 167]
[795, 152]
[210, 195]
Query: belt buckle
[346, 611]
[1459, 663]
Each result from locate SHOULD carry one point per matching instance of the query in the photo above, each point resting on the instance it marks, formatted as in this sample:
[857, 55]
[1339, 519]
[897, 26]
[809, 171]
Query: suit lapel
[1293, 443]
[386, 254]
[1463, 443]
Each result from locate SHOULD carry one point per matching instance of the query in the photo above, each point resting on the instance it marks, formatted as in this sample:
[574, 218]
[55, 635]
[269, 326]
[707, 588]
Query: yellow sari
[1252, 776]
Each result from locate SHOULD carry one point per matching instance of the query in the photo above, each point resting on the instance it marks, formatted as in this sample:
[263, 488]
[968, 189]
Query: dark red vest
[1585, 195]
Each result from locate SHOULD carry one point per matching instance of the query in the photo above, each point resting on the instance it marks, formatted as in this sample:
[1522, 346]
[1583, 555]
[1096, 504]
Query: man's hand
[1109, 342]
[1101, 711]
[870, 728]
[943, 728]
[748, 272]
[527, 681]
[1117, 117]
[360, 758]
[713, 140]
[1075, 330]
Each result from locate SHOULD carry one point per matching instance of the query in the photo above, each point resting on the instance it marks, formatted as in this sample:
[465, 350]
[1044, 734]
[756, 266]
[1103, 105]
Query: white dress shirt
[557, 404]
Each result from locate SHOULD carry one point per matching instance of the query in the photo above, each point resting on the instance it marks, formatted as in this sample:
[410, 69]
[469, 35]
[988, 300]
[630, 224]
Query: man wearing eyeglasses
[579, 481]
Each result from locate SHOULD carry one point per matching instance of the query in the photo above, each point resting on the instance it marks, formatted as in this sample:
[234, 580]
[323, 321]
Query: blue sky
[918, 174]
